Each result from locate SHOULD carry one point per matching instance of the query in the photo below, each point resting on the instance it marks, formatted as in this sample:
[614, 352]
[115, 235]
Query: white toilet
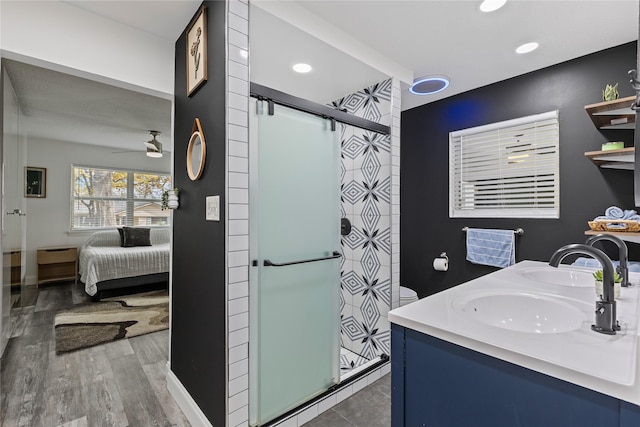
[407, 296]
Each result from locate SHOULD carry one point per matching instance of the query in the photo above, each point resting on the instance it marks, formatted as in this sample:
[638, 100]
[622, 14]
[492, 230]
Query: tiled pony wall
[366, 201]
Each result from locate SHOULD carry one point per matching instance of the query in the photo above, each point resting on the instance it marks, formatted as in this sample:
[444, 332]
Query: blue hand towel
[491, 247]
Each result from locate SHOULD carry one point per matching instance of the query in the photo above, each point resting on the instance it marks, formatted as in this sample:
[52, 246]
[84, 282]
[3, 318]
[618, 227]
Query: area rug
[111, 319]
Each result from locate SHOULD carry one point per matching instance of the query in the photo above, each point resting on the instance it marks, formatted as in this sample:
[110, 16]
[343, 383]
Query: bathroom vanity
[515, 348]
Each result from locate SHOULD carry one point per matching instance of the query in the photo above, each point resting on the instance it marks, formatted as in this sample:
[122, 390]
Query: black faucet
[606, 322]
[623, 268]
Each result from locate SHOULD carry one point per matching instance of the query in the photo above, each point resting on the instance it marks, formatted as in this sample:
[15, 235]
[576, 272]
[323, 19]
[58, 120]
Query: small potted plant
[617, 279]
[610, 93]
[170, 199]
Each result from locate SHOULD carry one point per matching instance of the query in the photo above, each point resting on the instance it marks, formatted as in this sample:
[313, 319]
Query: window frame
[129, 199]
[456, 171]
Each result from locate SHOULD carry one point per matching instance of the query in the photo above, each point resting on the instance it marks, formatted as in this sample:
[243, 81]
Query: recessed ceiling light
[491, 5]
[429, 85]
[302, 68]
[527, 47]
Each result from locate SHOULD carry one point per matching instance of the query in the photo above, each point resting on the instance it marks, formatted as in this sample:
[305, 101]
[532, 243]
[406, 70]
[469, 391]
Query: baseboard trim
[184, 400]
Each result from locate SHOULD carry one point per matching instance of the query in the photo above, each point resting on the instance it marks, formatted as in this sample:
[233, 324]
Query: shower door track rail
[269, 263]
[264, 93]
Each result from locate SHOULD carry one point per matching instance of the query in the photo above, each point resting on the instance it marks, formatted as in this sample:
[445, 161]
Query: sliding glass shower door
[295, 277]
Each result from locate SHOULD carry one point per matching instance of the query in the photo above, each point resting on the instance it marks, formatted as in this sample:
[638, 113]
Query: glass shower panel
[295, 305]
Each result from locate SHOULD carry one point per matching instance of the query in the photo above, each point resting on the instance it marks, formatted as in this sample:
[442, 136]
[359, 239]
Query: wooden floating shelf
[623, 158]
[615, 114]
[627, 236]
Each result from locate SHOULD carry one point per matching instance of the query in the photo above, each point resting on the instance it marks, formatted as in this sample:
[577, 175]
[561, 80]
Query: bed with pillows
[124, 257]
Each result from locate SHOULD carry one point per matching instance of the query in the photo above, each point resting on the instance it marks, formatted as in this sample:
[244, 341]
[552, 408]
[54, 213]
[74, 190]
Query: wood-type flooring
[121, 383]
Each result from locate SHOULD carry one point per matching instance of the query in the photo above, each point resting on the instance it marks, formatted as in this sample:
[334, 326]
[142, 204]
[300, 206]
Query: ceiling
[451, 38]
[63, 107]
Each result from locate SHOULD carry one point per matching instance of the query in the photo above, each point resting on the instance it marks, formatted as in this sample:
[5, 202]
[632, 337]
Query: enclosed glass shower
[295, 309]
[296, 258]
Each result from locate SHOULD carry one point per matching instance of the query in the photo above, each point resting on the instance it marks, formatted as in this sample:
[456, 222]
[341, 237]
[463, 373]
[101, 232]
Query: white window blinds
[508, 169]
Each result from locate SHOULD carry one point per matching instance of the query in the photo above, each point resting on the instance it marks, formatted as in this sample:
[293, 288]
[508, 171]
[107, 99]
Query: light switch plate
[213, 208]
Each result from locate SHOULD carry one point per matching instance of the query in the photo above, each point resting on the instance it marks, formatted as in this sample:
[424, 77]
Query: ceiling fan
[154, 147]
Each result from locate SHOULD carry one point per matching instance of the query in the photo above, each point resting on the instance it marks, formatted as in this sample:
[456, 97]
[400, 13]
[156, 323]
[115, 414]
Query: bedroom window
[105, 198]
[506, 170]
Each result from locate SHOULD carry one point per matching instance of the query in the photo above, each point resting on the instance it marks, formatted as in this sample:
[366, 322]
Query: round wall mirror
[196, 152]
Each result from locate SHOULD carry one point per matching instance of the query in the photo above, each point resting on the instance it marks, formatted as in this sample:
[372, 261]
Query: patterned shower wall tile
[369, 265]
[354, 191]
[377, 292]
[376, 191]
[375, 335]
[346, 178]
[349, 104]
[371, 103]
[345, 313]
[352, 283]
[374, 145]
[370, 311]
[352, 328]
[351, 244]
[370, 167]
[347, 147]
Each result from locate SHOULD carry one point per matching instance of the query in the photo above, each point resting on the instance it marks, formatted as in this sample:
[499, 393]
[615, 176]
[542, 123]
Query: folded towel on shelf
[491, 247]
[615, 213]
[634, 266]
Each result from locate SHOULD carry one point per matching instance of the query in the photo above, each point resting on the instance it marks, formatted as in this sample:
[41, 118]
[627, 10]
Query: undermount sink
[523, 311]
[559, 276]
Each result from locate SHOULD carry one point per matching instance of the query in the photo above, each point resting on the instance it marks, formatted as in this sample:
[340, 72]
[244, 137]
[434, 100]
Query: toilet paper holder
[441, 263]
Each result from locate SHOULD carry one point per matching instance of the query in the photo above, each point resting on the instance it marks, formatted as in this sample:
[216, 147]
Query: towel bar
[518, 231]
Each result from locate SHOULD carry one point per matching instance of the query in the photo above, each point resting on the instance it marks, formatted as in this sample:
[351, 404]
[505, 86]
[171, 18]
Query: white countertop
[604, 363]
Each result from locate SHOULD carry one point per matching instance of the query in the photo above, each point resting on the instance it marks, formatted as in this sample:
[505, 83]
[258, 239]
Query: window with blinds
[508, 169]
[105, 198]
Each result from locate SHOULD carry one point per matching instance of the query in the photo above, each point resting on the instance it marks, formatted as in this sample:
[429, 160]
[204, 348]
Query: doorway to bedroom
[56, 366]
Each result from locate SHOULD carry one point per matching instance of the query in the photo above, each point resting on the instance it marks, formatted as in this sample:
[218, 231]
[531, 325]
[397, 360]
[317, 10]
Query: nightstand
[57, 263]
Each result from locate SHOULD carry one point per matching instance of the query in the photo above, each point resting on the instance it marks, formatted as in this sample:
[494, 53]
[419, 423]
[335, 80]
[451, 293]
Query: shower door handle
[269, 263]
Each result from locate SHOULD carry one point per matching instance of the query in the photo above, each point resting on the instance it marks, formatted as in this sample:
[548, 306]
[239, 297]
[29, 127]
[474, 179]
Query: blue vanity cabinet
[439, 384]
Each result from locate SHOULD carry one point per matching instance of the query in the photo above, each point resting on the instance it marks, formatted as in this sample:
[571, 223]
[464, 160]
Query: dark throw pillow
[136, 236]
[121, 233]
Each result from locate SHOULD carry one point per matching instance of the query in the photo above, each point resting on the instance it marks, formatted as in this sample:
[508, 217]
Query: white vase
[616, 289]
[172, 200]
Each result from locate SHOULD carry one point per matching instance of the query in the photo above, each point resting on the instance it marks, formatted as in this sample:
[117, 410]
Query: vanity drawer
[57, 255]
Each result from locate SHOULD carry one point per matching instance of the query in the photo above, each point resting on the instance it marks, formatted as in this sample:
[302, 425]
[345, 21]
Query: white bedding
[101, 258]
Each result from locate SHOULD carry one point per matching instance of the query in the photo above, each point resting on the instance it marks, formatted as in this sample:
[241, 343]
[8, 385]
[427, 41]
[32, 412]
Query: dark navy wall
[585, 190]
[198, 355]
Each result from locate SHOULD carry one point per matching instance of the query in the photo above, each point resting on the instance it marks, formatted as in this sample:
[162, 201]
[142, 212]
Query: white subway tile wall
[237, 212]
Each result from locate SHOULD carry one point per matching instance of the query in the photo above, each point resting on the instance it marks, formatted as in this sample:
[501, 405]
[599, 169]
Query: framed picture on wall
[35, 182]
[197, 51]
